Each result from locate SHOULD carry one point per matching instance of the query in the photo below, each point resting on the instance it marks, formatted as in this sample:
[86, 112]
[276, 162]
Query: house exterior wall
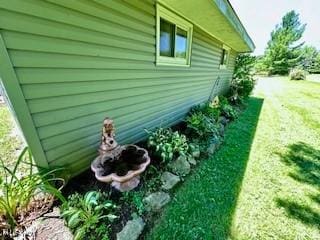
[76, 62]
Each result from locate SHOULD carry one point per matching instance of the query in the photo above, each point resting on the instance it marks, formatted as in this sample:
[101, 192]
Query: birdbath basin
[119, 165]
[123, 170]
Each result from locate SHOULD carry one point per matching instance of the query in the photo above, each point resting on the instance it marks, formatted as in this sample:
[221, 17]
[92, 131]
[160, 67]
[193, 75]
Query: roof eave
[227, 10]
[215, 17]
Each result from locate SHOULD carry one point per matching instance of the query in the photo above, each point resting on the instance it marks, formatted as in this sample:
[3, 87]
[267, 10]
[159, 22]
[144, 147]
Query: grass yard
[264, 182]
[313, 77]
[9, 143]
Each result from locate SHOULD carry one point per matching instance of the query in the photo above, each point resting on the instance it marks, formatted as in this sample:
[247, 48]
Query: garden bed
[167, 170]
[174, 154]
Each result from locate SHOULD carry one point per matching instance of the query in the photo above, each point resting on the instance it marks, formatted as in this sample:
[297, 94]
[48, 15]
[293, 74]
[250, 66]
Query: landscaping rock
[131, 230]
[51, 226]
[169, 180]
[155, 201]
[223, 120]
[221, 130]
[196, 153]
[180, 166]
[211, 148]
[191, 160]
[195, 149]
[213, 145]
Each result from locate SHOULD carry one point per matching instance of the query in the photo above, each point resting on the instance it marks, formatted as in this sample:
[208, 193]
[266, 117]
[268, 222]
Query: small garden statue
[109, 146]
[118, 164]
[215, 102]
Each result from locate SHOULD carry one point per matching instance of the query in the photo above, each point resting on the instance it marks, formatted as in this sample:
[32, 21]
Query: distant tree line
[285, 51]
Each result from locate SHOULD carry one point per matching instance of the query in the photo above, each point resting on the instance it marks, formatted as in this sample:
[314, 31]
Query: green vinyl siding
[77, 62]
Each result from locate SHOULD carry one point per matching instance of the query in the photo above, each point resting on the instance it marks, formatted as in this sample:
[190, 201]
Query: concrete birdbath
[120, 165]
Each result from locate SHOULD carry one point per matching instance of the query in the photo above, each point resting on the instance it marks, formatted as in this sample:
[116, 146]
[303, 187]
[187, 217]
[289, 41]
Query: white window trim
[173, 18]
[227, 49]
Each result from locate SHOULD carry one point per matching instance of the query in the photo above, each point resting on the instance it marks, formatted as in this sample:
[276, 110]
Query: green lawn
[264, 182]
[8, 142]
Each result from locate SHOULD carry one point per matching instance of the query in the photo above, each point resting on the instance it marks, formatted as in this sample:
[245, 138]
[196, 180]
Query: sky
[260, 17]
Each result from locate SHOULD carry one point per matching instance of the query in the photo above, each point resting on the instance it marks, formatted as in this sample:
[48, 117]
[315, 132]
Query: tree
[310, 59]
[316, 68]
[282, 52]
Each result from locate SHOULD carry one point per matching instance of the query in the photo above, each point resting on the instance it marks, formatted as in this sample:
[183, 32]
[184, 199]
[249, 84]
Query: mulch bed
[86, 182]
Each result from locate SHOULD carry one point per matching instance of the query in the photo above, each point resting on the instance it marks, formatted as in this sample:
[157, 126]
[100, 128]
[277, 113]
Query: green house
[66, 65]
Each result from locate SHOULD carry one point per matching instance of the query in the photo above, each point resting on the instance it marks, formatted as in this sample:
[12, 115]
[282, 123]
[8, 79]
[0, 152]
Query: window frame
[227, 56]
[181, 23]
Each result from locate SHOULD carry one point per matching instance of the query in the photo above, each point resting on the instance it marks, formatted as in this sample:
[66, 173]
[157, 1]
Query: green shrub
[200, 126]
[243, 87]
[16, 193]
[85, 215]
[242, 82]
[167, 144]
[297, 74]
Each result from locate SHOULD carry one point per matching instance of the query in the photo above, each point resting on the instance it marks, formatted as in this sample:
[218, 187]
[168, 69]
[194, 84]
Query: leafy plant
[101, 231]
[226, 109]
[223, 101]
[17, 193]
[152, 179]
[229, 112]
[201, 126]
[85, 214]
[136, 199]
[167, 144]
[208, 110]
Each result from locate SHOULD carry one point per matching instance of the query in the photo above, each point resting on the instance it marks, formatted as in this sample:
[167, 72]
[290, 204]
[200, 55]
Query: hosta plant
[201, 126]
[85, 215]
[167, 144]
[227, 110]
[18, 189]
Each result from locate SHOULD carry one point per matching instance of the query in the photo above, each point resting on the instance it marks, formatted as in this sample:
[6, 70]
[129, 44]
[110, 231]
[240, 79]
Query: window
[224, 57]
[174, 35]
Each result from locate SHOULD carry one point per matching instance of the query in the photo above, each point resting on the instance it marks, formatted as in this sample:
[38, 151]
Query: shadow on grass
[203, 207]
[303, 213]
[304, 162]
